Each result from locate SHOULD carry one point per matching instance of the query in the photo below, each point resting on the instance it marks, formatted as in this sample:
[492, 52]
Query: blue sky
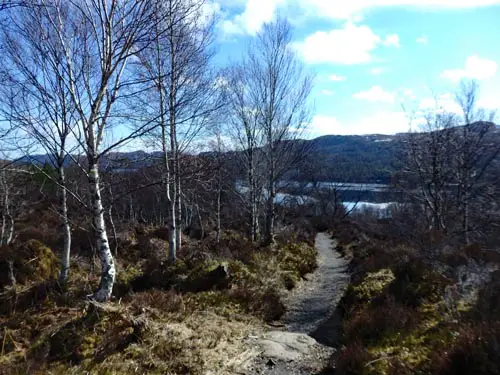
[371, 55]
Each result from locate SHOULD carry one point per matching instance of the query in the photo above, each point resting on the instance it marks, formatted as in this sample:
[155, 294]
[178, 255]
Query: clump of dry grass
[126, 339]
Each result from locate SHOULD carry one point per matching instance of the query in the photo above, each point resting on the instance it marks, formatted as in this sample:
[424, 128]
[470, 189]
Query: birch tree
[97, 39]
[247, 135]
[475, 150]
[36, 100]
[184, 92]
[277, 88]
[428, 173]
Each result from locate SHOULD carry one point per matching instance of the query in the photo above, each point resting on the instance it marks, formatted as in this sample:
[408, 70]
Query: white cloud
[475, 68]
[348, 9]
[408, 93]
[422, 40]
[489, 103]
[255, 14]
[327, 92]
[377, 71]
[323, 125]
[382, 123]
[336, 78]
[443, 103]
[350, 45]
[377, 123]
[375, 94]
[392, 41]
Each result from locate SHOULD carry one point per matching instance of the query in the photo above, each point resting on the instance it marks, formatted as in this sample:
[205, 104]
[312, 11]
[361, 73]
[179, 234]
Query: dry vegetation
[407, 314]
[190, 317]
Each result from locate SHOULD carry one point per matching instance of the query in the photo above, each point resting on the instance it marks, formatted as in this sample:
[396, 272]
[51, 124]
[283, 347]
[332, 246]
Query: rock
[286, 346]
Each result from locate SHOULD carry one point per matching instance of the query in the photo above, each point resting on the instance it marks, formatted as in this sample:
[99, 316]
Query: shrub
[353, 359]
[477, 351]
[378, 321]
[32, 261]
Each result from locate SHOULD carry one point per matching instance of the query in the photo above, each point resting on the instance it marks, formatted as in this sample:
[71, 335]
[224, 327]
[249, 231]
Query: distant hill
[345, 158]
[357, 158]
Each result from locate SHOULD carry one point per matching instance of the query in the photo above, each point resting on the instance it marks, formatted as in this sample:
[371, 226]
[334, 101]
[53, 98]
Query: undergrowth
[397, 317]
[181, 318]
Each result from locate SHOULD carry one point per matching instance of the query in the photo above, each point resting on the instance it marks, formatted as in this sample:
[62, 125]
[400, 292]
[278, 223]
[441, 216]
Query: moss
[297, 258]
[45, 263]
[129, 273]
[373, 284]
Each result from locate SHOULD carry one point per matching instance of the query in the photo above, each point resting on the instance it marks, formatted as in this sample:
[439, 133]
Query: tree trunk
[198, 212]
[271, 209]
[466, 217]
[271, 215]
[252, 199]
[65, 258]
[217, 238]
[108, 271]
[10, 273]
[179, 209]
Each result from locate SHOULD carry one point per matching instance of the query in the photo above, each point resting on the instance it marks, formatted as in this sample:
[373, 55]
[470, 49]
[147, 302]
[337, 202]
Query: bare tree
[278, 90]
[475, 150]
[97, 39]
[429, 173]
[184, 92]
[247, 135]
[36, 100]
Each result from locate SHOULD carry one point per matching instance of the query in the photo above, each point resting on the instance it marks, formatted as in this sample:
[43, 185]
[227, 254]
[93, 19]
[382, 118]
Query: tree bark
[271, 210]
[108, 271]
[65, 257]
[179, 206]
[218, 229]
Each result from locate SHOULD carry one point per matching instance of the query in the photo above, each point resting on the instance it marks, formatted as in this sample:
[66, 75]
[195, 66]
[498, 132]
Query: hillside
[372, 158]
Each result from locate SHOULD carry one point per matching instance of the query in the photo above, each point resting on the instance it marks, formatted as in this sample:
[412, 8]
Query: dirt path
[313, 302]
[311, 312]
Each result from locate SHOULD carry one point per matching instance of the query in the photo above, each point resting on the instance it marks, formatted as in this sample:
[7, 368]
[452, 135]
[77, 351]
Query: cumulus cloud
[251, 14]
[379, 122]
[392, 41]
[327, 92]
[336, 78]
[323, 125]
[350, 45]
[475, 68]
[443, 103]
[255, 14]
[349, 9]
[489, 103]
[376, 94]
[377, 71]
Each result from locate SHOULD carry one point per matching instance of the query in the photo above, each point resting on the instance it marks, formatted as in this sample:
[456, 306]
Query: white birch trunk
[65, 257]
[108, 271]
[219, 192]
[178, 233]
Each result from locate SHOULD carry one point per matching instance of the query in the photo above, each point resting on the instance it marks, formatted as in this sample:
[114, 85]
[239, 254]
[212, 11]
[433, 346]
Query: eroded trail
[312, 304]
[305, 346]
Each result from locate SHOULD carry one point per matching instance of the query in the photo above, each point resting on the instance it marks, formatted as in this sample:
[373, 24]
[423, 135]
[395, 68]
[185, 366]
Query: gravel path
[313, 302]
[311, 310]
